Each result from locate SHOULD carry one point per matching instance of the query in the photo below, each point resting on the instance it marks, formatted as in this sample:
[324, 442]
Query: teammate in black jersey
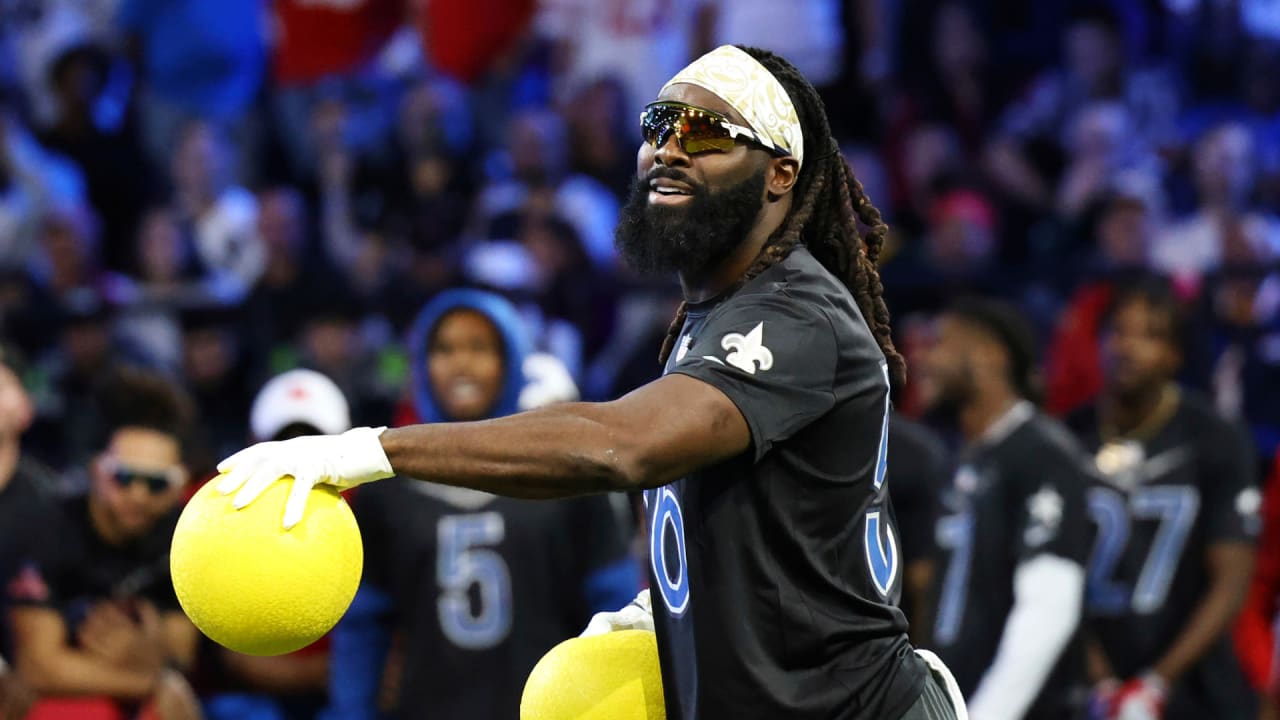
[1012, 536]
[1175, 513]
[775, 563]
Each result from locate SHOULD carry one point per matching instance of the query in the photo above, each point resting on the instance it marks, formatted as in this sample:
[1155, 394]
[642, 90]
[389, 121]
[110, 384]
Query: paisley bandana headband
[748, 87]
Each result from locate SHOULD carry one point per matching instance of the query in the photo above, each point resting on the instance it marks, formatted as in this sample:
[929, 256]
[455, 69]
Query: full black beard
[657, 239]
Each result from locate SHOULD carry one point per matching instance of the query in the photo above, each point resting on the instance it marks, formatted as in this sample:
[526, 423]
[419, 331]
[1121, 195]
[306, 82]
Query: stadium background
[220, 191]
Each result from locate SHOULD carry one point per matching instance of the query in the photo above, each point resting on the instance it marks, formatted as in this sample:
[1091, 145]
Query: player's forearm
[555, 452]
[1230, 566]
[71, 672]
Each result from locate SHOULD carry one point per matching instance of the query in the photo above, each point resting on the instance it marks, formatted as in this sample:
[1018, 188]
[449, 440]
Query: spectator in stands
[1122, 230]
[292, 277]
[637, 43]
[1175, 510]
[33, 184]
[220, 216]
[67, 422]
[956, 255]
[956, 89]
[1226, 222]
[323, 48]
[537, 170]
[600, 134]
[553, 563]
[115, 172]
[196, 60]
[809, 33]
[1242, 304]
[332, 341]
[1024, 158]
[25, 504]
[1101, 145]
[94, 613]
[217, 369]
[929, 163]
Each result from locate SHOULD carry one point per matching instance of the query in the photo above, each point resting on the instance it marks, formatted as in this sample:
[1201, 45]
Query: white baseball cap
[299, 396]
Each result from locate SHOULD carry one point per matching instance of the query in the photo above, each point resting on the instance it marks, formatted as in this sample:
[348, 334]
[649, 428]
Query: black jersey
[1017, 494]
[78, 568]
[1160, 502]
[775, 574]
[25, 508]
[482, 587]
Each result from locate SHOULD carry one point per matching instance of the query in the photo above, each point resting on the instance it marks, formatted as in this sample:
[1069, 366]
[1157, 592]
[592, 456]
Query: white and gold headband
[748, 87]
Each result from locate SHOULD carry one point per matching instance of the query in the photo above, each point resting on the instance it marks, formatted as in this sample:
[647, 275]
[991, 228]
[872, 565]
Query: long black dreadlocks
[829, 202]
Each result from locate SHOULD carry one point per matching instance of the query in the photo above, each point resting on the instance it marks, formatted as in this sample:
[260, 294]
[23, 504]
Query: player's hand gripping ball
[614, 676]
[259, 589]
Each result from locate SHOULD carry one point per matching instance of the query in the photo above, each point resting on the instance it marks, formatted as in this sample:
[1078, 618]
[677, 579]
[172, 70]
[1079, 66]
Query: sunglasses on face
[696, 129]
[156, 481]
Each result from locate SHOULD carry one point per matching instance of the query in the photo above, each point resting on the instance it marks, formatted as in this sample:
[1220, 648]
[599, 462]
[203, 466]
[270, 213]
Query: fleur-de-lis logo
[748, 351]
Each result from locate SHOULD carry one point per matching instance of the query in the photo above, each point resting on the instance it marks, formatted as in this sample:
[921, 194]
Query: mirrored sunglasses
[698, 130]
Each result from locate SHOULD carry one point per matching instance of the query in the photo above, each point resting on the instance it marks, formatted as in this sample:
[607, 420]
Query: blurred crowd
[197, 196]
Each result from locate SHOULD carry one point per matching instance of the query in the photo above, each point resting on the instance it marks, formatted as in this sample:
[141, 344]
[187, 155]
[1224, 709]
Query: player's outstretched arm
[648, 438]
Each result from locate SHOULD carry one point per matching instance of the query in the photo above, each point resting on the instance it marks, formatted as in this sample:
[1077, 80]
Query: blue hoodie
[361, 640]
[515, 342]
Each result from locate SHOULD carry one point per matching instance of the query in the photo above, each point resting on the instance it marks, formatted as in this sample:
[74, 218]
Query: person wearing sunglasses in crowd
[98, 632]
[774, 561]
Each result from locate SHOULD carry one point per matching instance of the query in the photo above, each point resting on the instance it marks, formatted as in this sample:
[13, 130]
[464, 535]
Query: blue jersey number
[1175, 508]
[465, 560]
[955, 534]
[670, 569]
[881, 547]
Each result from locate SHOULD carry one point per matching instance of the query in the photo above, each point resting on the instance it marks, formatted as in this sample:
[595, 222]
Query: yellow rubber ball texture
[615, 676]
[259, 589]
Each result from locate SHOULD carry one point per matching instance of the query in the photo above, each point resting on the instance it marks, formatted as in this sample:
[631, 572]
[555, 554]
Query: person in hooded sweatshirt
[459, 584]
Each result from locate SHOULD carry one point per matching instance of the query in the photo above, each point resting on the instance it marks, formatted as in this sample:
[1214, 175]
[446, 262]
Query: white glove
[353, 458]
[637, 615]
[547, 381]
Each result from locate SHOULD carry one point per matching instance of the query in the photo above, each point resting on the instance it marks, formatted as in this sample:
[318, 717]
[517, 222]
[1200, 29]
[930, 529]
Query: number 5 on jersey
[466, 559]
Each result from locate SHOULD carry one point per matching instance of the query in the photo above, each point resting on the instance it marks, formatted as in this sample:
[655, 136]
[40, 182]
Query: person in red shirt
[322, 47]
[316, 40]
[1255, 632]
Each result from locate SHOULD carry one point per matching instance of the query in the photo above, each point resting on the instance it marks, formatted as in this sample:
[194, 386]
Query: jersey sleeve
[773, 356]
[1229, 485]
[1049, 510]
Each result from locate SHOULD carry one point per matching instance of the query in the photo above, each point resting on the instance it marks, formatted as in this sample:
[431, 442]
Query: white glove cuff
[365, 459]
